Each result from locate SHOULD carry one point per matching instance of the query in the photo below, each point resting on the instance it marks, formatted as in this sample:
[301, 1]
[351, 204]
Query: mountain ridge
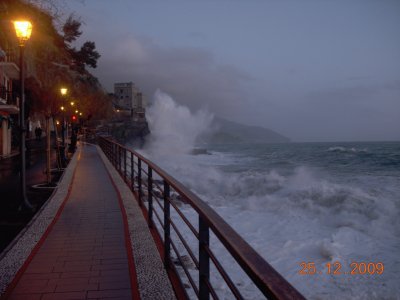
[226, 131]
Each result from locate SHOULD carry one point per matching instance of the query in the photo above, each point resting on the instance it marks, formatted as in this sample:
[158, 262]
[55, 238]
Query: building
[130, 99]
[9, 101]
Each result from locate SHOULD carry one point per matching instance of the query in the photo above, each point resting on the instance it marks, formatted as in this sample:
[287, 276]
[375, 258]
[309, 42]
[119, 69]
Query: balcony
[8, 65]
[8, 101]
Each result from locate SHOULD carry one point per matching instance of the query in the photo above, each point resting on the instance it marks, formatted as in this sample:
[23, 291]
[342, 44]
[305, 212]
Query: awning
[11, 109]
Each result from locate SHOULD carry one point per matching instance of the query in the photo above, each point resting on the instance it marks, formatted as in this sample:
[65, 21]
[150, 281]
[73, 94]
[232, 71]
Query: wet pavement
[13, 217]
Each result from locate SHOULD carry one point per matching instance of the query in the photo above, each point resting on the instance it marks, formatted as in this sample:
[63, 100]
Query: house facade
[9, 101]
[129, 98]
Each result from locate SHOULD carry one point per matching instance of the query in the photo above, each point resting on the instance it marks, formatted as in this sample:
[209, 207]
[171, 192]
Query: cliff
[128, 130]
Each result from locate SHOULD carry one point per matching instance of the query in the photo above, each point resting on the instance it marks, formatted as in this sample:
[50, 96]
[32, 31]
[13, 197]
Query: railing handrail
[264, 276]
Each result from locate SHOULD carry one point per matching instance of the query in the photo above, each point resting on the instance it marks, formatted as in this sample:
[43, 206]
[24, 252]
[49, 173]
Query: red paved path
[85, 255]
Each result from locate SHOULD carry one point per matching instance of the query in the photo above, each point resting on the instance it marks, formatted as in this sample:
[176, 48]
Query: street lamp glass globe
[64, 91]
[23, 30]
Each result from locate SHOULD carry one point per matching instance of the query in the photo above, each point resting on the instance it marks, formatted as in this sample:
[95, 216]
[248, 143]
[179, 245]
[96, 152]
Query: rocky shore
[126, 130]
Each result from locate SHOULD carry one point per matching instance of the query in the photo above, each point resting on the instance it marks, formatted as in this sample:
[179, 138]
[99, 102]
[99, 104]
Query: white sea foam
[303, 216]
[347, 149]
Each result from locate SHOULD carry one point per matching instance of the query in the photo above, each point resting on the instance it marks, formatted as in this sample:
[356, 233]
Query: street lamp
[64, 92]
[23, 30]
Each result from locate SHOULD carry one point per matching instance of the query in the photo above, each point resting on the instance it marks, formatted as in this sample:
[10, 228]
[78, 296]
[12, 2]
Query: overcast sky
[313, 70]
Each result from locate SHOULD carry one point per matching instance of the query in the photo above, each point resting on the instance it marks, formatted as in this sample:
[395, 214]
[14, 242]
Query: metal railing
[164, 202]
[9, 97]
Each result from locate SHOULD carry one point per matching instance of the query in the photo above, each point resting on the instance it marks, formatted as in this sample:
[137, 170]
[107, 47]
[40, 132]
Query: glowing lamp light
[76, 111]
[73, 118]
[58, 122]
[63, 91]
[62, 107]
[72, 103]
[23, 30]
[80, 114]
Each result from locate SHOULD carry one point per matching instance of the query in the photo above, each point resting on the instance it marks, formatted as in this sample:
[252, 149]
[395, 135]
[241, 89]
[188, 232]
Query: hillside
[225, 131]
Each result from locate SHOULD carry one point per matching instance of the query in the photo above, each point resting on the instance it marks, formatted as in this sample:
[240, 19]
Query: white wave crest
[347, 149]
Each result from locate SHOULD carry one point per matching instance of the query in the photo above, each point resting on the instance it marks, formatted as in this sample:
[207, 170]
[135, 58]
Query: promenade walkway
[91, 250]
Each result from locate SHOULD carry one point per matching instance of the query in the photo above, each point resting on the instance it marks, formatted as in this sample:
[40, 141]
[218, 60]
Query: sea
[326, 216]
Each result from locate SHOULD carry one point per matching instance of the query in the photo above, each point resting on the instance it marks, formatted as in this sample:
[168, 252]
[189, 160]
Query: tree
[71, 29]
[87, 55]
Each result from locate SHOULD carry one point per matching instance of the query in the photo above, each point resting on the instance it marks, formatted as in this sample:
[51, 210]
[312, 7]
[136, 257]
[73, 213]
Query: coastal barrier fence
[163, 201]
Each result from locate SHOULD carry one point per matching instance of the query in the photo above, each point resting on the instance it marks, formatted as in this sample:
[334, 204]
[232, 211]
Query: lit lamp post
[64, 92]
[73, 116]
[23, 30]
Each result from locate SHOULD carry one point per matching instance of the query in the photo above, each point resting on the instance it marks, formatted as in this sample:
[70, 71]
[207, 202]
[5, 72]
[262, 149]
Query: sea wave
[323, 221]
[347, 149]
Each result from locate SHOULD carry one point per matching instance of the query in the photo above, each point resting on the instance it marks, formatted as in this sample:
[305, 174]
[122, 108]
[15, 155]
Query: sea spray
[174, 128]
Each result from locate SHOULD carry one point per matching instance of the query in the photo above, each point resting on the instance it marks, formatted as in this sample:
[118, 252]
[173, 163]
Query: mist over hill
[225, 131]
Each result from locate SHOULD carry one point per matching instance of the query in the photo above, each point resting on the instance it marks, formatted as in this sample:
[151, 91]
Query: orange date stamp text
[336, 268]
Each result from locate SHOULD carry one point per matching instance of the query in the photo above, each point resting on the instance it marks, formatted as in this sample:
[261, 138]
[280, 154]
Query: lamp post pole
[23, 31]
[62, 150]
[22, 126]
[63, 126]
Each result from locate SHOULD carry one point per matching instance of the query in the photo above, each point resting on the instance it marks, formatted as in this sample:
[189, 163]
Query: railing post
[149, 194]
[204, 260]
[132, 173]
[112, 153]
[140, 181]
[115, 156]
[167, 230]
[119, 159]
[125, 164]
